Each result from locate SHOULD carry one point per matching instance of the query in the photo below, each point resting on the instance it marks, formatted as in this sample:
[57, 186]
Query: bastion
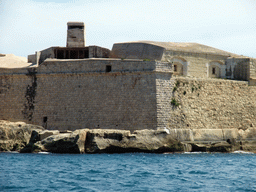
[136, 85]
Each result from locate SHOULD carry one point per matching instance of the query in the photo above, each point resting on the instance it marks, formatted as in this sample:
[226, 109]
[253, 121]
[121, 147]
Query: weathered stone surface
[212, 104]
[112, 141]
[230, 134]
[248, 134]
[15, 135]
[221, 146]
[47, 133]
[63, 143]
[248, 146]
[182, 134]
[208, 135]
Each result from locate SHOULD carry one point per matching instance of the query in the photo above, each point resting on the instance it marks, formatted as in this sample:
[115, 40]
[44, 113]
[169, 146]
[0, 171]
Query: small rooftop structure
[75, 34]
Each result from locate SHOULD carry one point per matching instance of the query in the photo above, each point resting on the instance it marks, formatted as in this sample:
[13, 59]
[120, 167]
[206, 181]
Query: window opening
[175, 68]
[45, 122]
[45, 119]
[108, 68]
[75, 27]
[73, 54]
[213, 70]
[60, 54]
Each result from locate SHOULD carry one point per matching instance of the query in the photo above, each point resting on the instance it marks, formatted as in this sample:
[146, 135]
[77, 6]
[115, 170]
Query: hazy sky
[27, 26]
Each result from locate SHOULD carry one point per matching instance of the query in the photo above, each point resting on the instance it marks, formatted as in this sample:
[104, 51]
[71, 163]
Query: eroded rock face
[121, 141]
[104, 141]
[15, 135]
[57, 142]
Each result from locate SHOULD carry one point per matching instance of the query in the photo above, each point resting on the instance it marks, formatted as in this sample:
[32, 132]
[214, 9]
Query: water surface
[128, 172]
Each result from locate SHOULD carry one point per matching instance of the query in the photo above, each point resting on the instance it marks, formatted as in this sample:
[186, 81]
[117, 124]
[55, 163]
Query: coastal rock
[208, 135]
[15, 135]
[121, 141]
[46, 133]
[149, 141]
[62, 143]
[221, 146]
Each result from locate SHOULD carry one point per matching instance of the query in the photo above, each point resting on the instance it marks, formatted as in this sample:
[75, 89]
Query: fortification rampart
[74, 94]
[213, 104]
[122, 94]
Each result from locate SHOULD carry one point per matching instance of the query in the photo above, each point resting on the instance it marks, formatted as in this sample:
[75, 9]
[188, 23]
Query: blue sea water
[128, 172]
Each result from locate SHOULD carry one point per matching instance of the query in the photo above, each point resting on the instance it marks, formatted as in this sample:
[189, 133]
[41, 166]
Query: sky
[27, 26]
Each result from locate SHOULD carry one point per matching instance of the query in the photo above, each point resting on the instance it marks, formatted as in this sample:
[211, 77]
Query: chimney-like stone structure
[75, 34]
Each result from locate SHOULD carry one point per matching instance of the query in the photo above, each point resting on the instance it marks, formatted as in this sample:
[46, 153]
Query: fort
[136, 85]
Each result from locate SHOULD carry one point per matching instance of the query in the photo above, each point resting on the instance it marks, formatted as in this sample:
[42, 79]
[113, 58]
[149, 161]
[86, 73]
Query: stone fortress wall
[135, 94]
[213, 104]
[74, 94]
[136, 85]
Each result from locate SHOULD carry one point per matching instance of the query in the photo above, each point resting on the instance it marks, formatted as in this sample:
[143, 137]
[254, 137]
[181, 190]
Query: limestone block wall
[164, 94]
[194, 64]
[241, 68]
[253, 68]
[17, 96]
[96, 101]
[252, 80]
[213, 104]
[66, 94]
[46, 53]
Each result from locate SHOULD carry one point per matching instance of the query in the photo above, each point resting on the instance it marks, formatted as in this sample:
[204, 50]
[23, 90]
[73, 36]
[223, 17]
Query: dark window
[67, 55]
[175, 68]
[45, 119]
[108, 68]
[213, 70]
[73, 54]
[60, 54]
[75, 27]
[81, 54]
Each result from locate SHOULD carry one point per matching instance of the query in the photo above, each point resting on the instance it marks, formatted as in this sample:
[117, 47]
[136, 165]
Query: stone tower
[76, 34]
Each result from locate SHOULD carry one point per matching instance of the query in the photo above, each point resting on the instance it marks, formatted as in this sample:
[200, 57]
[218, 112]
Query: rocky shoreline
[26, 138]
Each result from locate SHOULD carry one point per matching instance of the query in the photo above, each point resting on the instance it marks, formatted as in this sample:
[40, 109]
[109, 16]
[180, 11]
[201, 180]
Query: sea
[128, 172]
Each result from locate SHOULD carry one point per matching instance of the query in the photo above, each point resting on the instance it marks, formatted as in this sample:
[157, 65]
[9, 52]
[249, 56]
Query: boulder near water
[15, 135]
[104, 141]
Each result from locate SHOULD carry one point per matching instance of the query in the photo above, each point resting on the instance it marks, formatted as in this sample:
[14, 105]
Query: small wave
[11, 152]
[244, 152]
[195, 152]
[43, 152]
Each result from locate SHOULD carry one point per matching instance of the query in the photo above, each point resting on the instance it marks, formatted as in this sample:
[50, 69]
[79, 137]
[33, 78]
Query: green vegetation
[146, 59]
[174, 102]
[177, 84]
